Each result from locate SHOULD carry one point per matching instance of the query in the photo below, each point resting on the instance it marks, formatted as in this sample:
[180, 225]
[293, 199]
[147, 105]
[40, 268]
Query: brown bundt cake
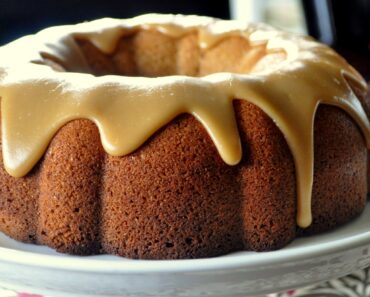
[177, 137]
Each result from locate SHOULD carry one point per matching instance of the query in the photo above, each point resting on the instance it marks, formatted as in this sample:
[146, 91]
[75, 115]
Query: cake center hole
[149, 53]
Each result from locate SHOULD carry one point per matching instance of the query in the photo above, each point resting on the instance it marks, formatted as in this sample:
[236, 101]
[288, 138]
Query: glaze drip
[38, 101]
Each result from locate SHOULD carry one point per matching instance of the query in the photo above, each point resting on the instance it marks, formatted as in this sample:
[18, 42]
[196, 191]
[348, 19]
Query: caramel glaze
[37, 101]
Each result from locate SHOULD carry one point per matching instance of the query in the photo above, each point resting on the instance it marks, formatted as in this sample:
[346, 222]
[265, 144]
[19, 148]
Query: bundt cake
[169, 137]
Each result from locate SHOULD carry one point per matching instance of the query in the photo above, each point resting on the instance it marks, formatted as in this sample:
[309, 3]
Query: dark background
[349, 26]
[21, 17]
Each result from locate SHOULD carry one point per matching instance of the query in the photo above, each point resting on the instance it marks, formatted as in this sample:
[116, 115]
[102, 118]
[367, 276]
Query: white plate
[39, 269]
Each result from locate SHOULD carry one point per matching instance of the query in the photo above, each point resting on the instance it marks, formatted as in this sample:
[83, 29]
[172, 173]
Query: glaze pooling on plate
[37, 101]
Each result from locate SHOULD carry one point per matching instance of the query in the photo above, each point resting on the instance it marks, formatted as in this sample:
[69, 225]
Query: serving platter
[38, 269]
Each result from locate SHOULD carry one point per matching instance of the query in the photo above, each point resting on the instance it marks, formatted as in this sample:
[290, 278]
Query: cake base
[317, 258]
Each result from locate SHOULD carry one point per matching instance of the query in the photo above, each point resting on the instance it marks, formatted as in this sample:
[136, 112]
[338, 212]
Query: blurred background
[342, 24]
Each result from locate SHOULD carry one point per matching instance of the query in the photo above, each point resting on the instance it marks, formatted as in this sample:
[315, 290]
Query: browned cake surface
[174, 197]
